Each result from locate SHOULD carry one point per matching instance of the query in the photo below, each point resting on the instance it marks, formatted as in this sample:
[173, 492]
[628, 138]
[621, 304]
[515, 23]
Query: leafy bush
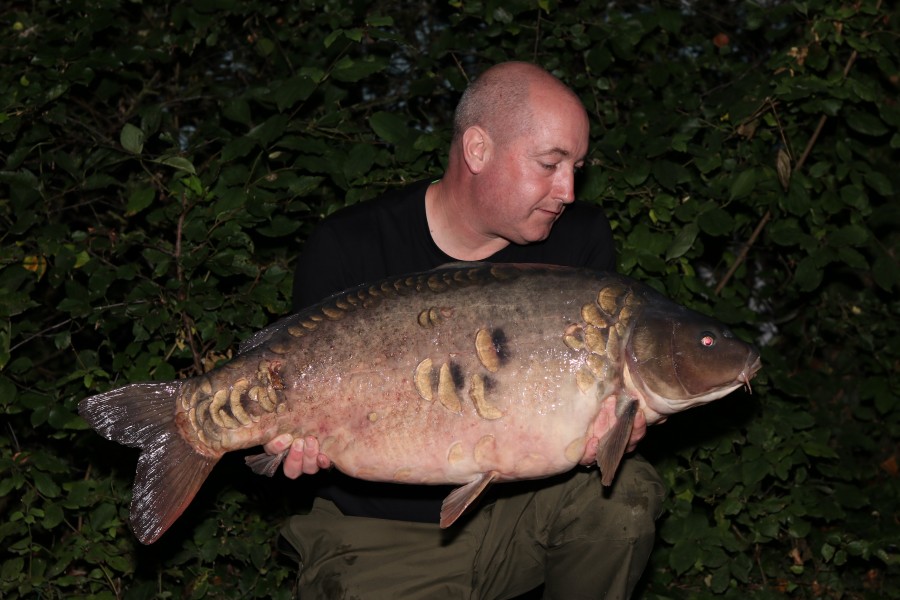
[162, 164]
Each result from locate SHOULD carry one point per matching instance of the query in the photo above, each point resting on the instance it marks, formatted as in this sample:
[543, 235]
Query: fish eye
[707, 339]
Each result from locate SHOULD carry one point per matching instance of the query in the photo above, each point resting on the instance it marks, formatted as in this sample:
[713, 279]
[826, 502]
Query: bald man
[508, 195]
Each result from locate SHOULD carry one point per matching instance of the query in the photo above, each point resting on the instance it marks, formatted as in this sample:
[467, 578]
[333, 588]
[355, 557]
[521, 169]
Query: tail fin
[169, 470]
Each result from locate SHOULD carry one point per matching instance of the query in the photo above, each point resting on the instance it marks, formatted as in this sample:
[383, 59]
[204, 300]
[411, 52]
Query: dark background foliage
[162, 164]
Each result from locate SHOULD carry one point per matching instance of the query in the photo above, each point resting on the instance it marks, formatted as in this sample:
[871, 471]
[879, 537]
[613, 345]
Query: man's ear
[476, 147]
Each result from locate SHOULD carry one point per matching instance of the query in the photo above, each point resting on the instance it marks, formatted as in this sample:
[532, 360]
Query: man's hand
[638, 431]
[605, 422]
[302, 458]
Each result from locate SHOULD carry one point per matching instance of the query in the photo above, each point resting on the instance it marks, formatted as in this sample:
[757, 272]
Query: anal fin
[613, 446]
[461, 498]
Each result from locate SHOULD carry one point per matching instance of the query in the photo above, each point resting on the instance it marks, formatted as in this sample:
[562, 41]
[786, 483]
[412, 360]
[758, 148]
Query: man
[507, 196]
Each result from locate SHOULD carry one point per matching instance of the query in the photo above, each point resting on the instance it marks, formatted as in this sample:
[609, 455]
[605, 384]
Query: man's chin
[536, 236]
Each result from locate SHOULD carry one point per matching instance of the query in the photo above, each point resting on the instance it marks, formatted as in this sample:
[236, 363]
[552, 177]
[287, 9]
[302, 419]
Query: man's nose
[564, 189]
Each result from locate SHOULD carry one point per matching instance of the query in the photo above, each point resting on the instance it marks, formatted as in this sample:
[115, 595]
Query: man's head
[519, 136]
[499, 100]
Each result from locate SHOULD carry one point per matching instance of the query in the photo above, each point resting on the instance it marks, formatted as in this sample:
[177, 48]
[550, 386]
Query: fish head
[677, 359]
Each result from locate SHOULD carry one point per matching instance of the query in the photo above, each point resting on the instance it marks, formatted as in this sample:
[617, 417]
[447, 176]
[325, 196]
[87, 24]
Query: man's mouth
[553, 212]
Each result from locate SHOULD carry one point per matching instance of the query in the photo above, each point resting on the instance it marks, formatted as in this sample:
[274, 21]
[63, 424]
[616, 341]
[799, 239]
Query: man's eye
[549, 167]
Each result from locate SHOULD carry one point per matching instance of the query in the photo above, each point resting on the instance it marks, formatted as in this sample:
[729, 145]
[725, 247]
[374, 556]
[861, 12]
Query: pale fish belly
[533, 422]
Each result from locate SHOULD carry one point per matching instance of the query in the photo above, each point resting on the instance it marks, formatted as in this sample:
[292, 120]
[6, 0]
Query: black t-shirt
[387, 237]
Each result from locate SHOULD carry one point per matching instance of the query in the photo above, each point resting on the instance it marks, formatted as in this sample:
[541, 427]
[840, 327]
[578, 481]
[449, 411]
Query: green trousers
[568, 532]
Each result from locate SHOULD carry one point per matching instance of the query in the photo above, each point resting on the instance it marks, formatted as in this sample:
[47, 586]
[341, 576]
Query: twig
[12, 432]
[182, 295]
[537, 36]
[460, 67]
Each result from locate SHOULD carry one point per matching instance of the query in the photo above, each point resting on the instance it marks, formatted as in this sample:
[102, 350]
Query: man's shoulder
[402, 202]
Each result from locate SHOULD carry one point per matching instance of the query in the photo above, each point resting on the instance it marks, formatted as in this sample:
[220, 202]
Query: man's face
[529, 180]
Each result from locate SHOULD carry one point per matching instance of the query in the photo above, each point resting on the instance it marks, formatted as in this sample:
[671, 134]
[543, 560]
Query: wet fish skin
[467, 374]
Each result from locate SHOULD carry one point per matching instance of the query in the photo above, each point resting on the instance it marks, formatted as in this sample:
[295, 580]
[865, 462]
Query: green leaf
[808, 275]
[292, 91]
[866, 123]
[238, 148]
[132, 138]
[885, 273]
[389, 127]
[279, 226]
[139, 199]
[637, 175]
[45, 484]
[721, 577]
[237, 109]
[179, 163]
[682, 242]
[269, 130]
[818, 449]
[684, 556]
[12, 569]
[854, 196]
[380, 20]
[879, 182]
[670, 174]
[716, 221]
[849, 235]
[744, 183]
[359, 161]
[352, 70]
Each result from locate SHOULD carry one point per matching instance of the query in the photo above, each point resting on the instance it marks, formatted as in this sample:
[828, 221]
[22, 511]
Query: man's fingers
[277, 445]
[310, 455]
[303, 457]
[293, 463]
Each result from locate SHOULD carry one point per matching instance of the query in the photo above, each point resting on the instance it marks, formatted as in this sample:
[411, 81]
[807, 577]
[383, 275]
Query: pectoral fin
[613, 446]
[266, 464]
[462, 497]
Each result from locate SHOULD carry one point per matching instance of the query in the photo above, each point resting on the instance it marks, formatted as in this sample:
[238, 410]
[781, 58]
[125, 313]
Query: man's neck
[452, 226]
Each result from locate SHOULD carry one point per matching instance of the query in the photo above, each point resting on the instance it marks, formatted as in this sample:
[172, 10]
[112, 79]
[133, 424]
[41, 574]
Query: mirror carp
[468, 374]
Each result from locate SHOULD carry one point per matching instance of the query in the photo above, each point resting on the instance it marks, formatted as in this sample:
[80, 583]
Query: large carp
[466, 374]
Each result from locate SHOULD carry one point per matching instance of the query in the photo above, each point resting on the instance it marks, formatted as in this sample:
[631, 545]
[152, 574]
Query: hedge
[162, 164]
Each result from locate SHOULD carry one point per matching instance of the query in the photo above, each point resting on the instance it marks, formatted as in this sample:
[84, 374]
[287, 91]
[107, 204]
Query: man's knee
[627, 509]
[639, 487]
